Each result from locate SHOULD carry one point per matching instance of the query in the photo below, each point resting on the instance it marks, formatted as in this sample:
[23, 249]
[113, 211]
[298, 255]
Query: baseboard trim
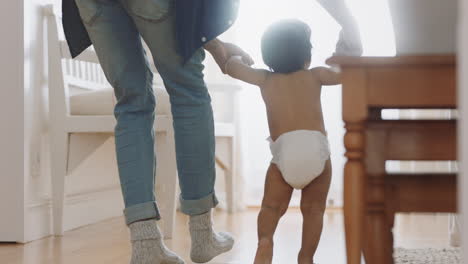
[79, 197]
[76, 197]
[83, 208]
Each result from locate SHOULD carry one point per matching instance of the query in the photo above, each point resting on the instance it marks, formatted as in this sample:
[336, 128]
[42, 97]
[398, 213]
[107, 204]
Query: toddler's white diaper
[300, 156]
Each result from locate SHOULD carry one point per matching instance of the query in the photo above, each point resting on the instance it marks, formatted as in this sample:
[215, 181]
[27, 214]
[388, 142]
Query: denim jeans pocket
[152, 10]
[89, 10]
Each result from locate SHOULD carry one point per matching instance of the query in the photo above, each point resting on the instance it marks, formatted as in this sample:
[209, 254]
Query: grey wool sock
[206, 243]
[148, 246]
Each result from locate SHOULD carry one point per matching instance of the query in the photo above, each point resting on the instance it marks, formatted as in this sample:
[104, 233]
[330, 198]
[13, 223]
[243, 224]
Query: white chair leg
[59, 157]
[454, 230]
[166, 183]
[229, 173]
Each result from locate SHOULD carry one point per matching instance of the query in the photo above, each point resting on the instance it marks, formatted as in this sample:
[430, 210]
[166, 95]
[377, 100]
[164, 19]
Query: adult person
[115, 28]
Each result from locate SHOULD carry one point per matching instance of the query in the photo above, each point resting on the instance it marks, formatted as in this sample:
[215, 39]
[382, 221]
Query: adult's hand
[222, 51]
[234, 50]
[349, 43]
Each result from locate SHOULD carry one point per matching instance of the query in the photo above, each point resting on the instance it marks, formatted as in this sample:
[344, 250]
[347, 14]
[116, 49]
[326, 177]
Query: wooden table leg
[367, 248]
[378, 228]
[354, 182]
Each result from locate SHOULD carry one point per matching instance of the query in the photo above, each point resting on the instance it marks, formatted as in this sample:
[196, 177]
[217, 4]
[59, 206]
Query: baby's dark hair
[286, 46]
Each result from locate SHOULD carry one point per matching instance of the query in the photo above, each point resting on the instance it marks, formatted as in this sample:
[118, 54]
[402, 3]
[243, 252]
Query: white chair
[225, 103]
[91, 114]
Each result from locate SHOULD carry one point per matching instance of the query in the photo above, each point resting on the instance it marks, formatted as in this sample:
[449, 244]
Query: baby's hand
[222, 51]
[231, 60]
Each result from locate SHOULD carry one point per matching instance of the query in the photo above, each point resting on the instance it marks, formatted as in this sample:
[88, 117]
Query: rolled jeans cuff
[143, 211]
[200, 206]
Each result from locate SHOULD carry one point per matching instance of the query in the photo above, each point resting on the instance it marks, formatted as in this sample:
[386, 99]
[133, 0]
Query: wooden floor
[107, 242]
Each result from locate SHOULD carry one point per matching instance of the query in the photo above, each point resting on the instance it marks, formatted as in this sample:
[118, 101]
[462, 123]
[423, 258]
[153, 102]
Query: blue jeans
[116, 28]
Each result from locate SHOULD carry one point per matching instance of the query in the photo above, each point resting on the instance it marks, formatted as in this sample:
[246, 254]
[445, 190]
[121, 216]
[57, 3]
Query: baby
[298, 142]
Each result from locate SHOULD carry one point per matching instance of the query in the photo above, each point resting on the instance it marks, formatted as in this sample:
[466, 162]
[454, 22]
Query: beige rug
[428, 256]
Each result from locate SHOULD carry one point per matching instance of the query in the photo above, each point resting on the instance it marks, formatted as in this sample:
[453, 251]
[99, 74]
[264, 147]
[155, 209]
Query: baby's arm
[222, 51]
[237, 69]
[327, 76]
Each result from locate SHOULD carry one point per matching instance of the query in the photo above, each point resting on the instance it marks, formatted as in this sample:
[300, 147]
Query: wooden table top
[417, 81]
[352, 61]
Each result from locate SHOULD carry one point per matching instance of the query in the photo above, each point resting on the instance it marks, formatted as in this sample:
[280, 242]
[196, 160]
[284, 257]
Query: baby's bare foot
[264, 252]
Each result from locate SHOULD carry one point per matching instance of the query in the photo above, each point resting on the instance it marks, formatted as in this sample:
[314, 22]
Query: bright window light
[373, 17]
[376, 26]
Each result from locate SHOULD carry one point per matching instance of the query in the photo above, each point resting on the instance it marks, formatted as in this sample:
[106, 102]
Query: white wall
[11, 121]
[463, 127]
[35, 95]
[424, 26]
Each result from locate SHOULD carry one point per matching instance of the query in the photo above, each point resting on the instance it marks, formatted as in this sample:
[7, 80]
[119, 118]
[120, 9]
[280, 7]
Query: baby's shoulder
[316, 71]
[311, 76]
[326, 75]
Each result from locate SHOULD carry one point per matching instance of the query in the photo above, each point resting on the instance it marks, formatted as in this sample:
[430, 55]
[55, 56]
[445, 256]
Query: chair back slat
[82, 72]
[224, 97]
[85, 84]
[58, 92]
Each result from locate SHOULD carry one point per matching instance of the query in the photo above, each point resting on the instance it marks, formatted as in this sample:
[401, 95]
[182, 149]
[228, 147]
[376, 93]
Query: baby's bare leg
[313, 203]
[275, 203]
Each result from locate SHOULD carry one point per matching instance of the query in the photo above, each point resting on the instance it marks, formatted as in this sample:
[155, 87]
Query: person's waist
[276, 134]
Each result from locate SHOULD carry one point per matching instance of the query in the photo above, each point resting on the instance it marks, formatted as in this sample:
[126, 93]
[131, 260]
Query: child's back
[293, 102]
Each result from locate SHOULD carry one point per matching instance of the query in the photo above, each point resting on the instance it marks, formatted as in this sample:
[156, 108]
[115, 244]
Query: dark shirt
[196, 22]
